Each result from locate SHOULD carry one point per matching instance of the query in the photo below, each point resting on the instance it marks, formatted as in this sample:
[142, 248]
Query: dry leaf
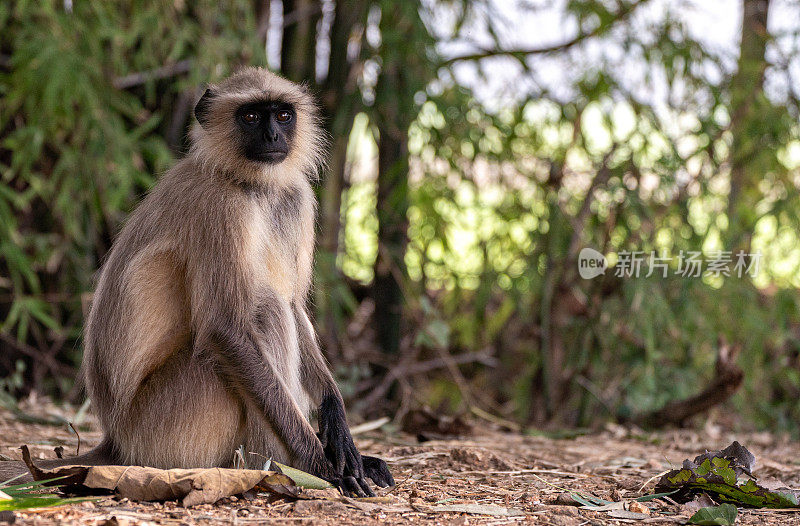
[191, 486]
[625, 514]
[699, 501]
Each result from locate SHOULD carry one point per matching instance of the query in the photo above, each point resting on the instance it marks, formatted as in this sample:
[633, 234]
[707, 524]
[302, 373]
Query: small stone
[638, 507]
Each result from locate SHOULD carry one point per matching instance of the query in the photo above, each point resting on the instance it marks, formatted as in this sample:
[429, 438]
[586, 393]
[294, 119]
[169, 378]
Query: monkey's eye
[251, 117]
[283, 116]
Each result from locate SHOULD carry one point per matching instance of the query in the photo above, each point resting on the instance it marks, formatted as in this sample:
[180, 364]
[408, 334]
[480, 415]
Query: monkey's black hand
[341, 451]
[377, 470]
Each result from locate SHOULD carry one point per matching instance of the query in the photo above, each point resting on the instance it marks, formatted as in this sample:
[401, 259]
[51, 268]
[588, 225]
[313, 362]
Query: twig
[508, 424]
[57, 368]
[402, 371]
[458, 378]
[531, 472]
[369, 426]
[651, 479]
[136, 79]
[544, 50]
[77, 449]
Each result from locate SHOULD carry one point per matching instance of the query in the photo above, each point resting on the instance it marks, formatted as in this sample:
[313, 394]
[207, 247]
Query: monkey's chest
[272, 255]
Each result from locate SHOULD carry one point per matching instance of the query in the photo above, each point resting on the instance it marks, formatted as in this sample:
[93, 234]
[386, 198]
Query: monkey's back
[140, 306]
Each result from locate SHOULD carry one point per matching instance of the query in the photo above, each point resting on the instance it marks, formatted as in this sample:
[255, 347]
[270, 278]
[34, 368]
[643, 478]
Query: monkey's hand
[340, 450]
[345, 459]
[377, 470]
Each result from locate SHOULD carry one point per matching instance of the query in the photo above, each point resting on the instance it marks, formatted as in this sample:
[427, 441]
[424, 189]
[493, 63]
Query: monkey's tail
[102, 454]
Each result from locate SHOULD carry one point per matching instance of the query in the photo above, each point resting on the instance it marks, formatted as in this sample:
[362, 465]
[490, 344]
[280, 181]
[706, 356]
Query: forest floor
[488, 477]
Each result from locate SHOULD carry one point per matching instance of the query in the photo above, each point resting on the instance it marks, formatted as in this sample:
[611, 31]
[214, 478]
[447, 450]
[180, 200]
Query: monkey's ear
[203, 107]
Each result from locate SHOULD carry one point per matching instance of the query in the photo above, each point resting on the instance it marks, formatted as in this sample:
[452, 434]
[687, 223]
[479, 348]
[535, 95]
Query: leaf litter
[726, 476]
[489, 477]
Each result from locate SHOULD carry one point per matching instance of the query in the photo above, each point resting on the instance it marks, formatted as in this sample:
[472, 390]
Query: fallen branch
[727, 380]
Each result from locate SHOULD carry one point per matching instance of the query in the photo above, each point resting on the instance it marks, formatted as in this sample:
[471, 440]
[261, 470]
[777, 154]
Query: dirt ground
[523, 478]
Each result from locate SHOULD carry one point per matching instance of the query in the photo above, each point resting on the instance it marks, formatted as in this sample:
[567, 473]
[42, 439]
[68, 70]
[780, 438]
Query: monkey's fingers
[353, 465]
[365, 486]
[377, 470]
[336, 456]
[353, 487]
[343, 454]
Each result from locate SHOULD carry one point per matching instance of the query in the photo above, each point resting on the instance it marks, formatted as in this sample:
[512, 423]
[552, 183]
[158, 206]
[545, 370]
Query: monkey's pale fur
[219, 242]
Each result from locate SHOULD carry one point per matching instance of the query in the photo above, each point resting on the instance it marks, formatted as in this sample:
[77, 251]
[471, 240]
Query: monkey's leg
[334, 431]
[245, 354]
[181, 417]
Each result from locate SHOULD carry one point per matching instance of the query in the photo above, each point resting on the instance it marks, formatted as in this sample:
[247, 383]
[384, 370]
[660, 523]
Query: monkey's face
[256, 126]
[267, 130]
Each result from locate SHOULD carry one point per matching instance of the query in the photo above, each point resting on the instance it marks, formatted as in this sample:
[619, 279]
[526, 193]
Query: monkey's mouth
[271, 156]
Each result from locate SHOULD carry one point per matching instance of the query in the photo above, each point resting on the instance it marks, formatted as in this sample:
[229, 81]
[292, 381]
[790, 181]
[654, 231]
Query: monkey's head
[257, 126]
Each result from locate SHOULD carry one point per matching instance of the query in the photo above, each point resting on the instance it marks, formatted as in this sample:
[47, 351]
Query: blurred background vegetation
[477, 147]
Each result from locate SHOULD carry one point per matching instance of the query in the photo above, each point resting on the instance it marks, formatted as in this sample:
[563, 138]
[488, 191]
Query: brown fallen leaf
[68, 475]
[190, 486]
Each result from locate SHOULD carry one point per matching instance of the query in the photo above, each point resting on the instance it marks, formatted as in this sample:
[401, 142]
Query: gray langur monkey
[198, 340]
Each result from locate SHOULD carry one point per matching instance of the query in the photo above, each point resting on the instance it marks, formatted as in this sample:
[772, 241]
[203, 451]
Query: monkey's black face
[267, 128]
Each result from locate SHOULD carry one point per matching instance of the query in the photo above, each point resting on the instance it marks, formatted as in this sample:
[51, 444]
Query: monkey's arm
[242, 342]
[243, 365]
[334, 432]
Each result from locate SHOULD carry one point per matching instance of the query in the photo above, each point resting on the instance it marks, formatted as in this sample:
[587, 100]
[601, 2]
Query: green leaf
[587, 499]
[303, 479]
[645, 498]
[724, 514]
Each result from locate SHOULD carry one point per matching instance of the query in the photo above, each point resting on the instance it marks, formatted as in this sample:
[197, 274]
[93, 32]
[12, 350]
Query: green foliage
[716, 477]
[500, 196]
[76, 152]
[29, 495]
[498, 222]
[723, 514]
[508, 196]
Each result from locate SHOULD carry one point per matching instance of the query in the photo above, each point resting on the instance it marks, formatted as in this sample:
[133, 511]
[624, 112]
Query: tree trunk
[747, 91]
[340, 100]
[394, 105]
[390, 269]
[298, 48]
